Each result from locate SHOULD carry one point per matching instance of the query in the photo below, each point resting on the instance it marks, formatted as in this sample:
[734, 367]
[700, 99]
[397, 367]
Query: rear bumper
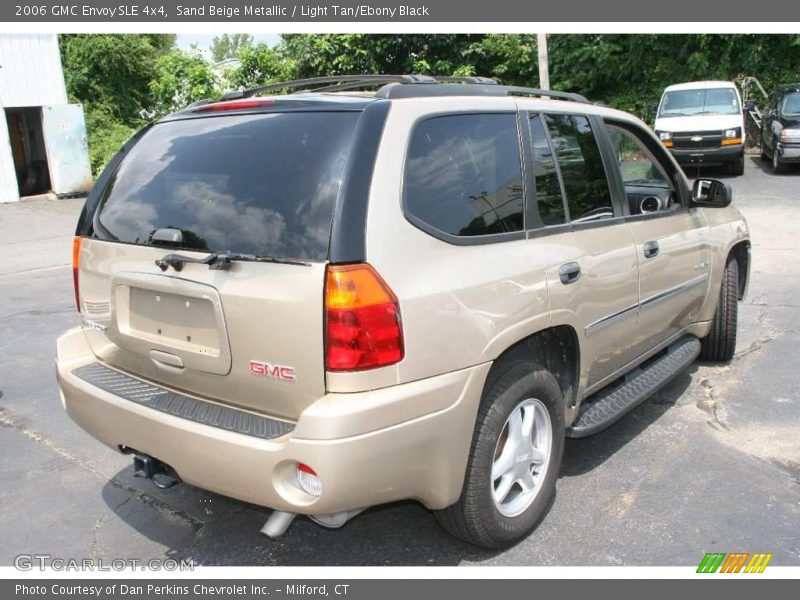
[707, 156]
[409, 456]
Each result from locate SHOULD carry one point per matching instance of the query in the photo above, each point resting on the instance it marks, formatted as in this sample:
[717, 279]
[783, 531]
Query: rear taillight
[308, 480]
[76, 256]
[362, 320]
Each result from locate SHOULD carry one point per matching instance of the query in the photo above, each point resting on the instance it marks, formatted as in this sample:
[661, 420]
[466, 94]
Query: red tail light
[76, 255]
[362, 320]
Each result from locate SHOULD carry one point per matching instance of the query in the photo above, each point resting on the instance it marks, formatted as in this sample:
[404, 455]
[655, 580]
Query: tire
[737, 166]
[720, 343]
[516, 387]
[777, 166]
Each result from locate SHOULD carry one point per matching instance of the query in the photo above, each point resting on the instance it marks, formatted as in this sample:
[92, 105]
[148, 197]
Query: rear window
[257, 184]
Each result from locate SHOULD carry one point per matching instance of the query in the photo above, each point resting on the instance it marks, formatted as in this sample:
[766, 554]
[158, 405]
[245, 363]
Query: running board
[608, 406]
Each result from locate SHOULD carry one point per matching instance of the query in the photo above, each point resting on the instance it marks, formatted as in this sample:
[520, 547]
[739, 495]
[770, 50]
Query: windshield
[262, 184]
[791, 105]
[712, 101]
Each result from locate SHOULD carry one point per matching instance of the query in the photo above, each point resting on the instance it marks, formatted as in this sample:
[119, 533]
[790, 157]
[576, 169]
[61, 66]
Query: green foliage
[258, 65]
[105, 135]
[181, 78]
[229, 45]
[123, 79]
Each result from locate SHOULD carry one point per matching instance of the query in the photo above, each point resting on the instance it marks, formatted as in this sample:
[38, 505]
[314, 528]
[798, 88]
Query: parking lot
[711, 463]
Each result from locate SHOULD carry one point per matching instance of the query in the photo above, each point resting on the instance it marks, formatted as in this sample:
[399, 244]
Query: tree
[229, 46]
[112, 72]
[181, 78]
[259, 65]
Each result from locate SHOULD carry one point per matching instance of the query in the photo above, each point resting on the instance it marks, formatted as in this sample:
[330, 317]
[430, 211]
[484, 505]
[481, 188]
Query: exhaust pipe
[277, 524]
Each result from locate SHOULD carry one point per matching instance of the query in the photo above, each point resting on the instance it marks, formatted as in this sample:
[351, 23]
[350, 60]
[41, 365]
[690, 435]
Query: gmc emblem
[274, 371]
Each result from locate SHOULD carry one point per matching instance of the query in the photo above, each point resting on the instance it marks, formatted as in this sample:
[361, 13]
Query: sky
[203, 40]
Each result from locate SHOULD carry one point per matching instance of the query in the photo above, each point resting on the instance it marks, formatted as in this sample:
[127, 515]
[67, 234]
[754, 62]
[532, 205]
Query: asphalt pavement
[709, 464]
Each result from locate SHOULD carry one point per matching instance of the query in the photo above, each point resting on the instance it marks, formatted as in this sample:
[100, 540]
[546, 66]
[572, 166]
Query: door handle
[650, 249]
[569, 272]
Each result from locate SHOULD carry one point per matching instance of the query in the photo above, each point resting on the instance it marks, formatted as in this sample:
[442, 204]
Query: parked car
[702, 124]
[329, 300]
[780, 127]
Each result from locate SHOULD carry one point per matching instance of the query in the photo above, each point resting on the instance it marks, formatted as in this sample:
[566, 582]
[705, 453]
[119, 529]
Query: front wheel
[514, 459]
[737, 166]
[778, 166]
[720, 343]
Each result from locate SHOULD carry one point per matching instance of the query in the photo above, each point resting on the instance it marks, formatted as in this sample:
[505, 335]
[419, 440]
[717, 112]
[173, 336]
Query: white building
[42, 137]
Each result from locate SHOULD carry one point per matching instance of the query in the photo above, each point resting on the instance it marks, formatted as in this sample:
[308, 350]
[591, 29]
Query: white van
[702, 123]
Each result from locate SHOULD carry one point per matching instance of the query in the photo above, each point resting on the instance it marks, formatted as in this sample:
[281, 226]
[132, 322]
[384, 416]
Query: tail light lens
[362, 320]
[76, 255]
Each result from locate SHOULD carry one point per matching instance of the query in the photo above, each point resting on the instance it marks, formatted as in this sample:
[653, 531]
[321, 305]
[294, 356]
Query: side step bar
[609, 405]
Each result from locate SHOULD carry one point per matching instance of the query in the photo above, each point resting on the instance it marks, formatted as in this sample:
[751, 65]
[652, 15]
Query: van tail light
[363, 329]
[76, 255]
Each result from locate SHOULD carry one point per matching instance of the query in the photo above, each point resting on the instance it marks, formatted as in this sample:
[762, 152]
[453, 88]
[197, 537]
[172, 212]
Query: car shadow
[190, 523]
[582, 455]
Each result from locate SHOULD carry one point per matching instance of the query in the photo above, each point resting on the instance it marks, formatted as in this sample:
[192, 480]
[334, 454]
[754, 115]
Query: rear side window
[582, 170]
[463, 174]
[257, 184]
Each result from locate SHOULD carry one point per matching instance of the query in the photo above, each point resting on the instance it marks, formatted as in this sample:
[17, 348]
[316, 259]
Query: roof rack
[404, 86]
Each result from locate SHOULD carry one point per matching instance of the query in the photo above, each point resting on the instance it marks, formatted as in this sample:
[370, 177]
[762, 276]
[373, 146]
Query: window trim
[472, 240]
[653, 145]
[598, 129]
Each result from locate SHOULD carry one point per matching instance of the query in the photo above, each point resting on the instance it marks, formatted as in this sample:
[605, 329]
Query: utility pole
[544, 73]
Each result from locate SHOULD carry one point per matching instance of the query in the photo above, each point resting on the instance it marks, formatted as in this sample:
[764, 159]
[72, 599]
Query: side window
[581, 164]
[463, 174]
[548, 187]
[648, 185]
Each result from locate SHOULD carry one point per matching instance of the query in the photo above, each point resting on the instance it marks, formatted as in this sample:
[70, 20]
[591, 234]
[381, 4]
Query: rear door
[592, 278]
[260, 184]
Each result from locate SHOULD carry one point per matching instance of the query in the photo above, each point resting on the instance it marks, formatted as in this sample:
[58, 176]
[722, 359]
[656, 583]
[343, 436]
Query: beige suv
[322, 301]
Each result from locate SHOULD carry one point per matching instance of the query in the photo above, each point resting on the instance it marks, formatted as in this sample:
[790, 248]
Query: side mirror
[711, 193]
[750, 105]
[652, 109]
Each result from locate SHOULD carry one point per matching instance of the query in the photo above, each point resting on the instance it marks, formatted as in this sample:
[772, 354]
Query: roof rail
[349, 82]
[403, 86]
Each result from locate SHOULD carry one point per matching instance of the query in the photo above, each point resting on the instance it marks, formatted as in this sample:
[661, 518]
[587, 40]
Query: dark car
[780, 128]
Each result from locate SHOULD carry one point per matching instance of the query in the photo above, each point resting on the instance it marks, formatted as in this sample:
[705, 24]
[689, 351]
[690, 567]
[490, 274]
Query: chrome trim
[668, 293]
[604, 322]
[600, 324]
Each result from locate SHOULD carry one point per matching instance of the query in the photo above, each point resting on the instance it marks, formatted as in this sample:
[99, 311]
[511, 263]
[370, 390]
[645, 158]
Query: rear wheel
[720, 343]
[514, 459]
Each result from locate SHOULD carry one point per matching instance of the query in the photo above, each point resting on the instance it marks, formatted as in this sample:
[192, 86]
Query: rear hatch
[245, 328]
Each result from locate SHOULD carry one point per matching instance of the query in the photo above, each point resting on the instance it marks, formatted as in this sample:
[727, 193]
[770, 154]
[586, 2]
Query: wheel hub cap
[521, 457]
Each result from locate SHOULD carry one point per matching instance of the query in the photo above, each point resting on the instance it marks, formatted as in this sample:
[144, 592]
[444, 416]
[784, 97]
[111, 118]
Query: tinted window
[463, 174]
[259, 184]
[791, 105]
[588, 195]
[548, 189]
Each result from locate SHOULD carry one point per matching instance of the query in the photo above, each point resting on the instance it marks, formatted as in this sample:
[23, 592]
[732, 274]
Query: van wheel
[720, 343]
[737, 167]
[514, 459]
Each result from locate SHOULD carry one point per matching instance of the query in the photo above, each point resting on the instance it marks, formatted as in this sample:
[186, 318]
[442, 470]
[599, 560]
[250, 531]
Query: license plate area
[175, 319]
[179, 318]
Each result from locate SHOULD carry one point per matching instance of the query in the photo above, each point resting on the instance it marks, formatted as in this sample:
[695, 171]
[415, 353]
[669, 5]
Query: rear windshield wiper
[221, 261]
